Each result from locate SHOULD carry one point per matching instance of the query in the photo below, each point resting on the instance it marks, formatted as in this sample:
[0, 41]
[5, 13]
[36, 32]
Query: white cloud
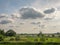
[15, 15]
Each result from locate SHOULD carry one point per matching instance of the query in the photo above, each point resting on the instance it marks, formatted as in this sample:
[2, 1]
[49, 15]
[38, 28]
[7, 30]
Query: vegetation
[1, 37]
[10, 36]
[2, 32]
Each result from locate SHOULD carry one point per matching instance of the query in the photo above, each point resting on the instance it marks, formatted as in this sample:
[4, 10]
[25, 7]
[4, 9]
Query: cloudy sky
[30, 16]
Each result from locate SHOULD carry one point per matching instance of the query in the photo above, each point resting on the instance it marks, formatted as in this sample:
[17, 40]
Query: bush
[1, 38]
[12, 39]
[42, 39]
[35, 40]
[17, 38]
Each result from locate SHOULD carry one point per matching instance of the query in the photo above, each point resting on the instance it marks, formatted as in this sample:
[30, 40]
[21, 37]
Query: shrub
[35, 40]
[1, 38]
[17, 38]
[12, 39]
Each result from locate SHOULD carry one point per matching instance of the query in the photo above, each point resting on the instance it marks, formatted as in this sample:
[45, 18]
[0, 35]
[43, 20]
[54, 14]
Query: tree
[10, 33]
[58, 33]
[40, 34]
[2, 32]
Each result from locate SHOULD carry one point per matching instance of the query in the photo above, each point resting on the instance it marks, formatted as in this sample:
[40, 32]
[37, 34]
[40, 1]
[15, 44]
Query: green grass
[33, 39]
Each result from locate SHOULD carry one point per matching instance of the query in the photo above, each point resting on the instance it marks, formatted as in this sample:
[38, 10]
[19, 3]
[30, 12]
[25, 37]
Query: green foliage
[1, 37]
[2, 32]
[36, 40]
[12, 39]
[42, 39]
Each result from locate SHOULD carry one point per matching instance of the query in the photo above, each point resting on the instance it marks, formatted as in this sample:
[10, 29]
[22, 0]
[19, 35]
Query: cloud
[48, 18]
[42, 26]
[30, 13]
[15, 15]
[38, 22]
[21, 23]
[49, 11]
[45, 3]
[3, 15]
[35, 23]
[13, 26]
[6, 21]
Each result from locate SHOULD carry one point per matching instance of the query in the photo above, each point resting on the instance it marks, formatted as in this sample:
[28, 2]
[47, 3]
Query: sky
[30, 16]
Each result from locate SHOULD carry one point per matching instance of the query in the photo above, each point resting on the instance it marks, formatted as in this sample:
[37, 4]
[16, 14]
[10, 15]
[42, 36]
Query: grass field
[31, 41]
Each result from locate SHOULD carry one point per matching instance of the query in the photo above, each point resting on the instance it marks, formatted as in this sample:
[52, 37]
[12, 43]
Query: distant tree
[40, 34]
[58, 33]
[53, 35]
[10, 33]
